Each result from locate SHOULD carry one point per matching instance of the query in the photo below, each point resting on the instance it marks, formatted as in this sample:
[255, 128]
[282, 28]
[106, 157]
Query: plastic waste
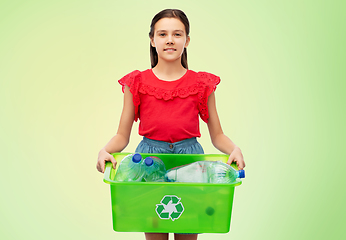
[154, 169]
[193, 172]
[220, 172]
[130, 169]
[204, 172]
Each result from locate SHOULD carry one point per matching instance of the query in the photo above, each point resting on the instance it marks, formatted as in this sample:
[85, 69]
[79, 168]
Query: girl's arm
[121, 139]
[219, 139]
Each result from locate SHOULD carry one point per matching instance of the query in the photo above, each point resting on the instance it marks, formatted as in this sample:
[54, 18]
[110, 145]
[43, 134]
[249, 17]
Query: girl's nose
[169, 41]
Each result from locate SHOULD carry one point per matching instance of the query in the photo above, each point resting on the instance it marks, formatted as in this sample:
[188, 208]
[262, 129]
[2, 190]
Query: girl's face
[169, 39]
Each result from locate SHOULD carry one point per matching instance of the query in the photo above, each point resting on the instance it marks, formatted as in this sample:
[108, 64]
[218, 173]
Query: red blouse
[169, 110]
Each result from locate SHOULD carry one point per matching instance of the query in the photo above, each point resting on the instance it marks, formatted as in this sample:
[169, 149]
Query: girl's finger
[241, 165]
[103, 163]
[230, 160]
[113, 161]
[99, 166]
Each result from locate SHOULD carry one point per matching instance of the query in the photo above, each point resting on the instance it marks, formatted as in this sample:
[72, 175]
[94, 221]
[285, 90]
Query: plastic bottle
[204, 172]
[220, 172]
[154, 169]
[130, 169]
[193, 172]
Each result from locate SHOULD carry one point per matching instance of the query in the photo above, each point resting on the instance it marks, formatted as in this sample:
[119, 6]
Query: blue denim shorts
[187, 146]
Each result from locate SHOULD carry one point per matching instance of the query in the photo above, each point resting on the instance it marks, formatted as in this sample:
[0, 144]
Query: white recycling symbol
[170, 207]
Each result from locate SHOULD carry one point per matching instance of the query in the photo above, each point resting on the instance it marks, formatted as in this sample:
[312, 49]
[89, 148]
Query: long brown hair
[169, 13]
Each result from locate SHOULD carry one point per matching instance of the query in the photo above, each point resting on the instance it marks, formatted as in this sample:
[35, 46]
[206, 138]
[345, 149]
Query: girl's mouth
[169, 50]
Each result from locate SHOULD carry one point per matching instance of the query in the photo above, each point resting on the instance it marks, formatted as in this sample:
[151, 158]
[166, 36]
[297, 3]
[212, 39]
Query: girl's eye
[162, 34]
[178, 34]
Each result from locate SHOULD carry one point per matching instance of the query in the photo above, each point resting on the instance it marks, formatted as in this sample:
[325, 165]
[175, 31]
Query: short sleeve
[133, 80]
[208, 83]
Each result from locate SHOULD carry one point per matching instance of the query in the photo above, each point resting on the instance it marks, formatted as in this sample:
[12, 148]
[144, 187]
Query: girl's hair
[169, 13]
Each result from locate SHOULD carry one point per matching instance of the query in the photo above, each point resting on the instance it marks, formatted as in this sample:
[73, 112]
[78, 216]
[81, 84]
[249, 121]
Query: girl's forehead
[166, 24]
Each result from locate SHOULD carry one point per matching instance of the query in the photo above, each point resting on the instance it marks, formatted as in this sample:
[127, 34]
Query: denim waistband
[161, 144]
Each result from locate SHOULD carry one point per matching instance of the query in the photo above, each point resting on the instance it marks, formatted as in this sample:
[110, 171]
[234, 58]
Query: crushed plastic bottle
[204, 172]
[193, 172]
[130, 169]
[154, 169]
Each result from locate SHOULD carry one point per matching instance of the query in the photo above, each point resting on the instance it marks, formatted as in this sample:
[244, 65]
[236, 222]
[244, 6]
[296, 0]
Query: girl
[168, 98]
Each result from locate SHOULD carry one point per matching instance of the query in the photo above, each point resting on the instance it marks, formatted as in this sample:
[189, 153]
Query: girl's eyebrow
[178, 30]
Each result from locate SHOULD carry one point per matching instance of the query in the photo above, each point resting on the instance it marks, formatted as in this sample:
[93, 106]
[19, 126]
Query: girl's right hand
[104, 157]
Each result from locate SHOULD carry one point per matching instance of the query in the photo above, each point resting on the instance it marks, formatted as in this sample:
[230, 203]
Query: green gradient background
[281, 100]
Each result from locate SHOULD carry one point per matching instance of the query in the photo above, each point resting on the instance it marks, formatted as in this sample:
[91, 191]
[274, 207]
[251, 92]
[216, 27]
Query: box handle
[107, 173]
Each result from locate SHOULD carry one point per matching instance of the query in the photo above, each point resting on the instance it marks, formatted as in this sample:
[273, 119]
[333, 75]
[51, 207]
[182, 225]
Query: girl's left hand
[237, 157]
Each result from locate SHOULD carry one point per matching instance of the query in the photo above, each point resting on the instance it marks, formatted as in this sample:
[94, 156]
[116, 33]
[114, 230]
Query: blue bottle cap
[241, 173]
[136, 158]
[148, 161]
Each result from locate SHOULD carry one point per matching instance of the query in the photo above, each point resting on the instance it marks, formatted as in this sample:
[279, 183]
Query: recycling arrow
[170, 207]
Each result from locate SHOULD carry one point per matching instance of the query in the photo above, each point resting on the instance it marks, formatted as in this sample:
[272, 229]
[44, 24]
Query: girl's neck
[169, 72]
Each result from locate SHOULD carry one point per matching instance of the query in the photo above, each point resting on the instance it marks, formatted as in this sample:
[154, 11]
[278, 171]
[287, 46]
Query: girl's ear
[152, 42]
[187, 41]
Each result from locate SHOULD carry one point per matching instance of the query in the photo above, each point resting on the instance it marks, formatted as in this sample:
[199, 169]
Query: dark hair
[169, 13]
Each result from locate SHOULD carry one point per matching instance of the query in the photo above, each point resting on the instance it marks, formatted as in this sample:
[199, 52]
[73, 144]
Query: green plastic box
[171, 207]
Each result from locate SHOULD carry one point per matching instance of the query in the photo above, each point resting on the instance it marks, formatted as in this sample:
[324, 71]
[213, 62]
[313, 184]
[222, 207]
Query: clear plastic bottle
[154, 169]
[193, 172]
[130, 169]
[220, 172]
[204, 172]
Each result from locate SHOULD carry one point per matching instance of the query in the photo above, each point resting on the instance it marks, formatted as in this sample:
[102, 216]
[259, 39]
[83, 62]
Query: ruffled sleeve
[133, 80]
[208, 83]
